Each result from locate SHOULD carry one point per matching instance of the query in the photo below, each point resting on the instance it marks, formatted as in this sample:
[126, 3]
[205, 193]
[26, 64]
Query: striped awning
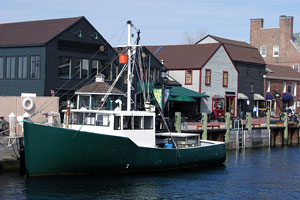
[242, 96]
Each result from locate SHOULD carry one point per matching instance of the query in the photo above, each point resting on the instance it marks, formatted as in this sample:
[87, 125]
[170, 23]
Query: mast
[129, 23]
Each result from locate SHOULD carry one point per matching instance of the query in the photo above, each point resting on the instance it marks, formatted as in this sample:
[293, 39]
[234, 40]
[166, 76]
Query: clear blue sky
[160, 21]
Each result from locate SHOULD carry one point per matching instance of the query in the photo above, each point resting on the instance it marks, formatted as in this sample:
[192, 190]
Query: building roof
[33, 32]
[184, 56]
[238, 50]
[98, 88]
[282, 72]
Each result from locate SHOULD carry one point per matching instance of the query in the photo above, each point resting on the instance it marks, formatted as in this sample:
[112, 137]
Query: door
[230, 104]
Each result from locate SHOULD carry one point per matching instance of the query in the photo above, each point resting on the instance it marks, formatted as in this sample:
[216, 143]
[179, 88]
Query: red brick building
[285, 82]
[279, 46]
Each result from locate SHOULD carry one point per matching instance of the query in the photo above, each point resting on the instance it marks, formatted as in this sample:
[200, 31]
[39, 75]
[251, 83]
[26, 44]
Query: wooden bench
[256, 125]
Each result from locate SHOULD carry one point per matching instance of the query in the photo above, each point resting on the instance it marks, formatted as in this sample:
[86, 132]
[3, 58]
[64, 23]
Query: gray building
[251, 67]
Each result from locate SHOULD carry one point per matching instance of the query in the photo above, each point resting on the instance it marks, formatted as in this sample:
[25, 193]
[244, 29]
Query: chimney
[256, 23]
[255, 26]
[286, 26]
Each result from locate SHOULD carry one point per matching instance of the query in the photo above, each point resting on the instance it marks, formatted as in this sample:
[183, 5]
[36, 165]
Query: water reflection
[263, 173]
[141, 186]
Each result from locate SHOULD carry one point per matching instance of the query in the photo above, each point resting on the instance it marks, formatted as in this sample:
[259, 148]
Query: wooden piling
[227, 127]
[248, 121]
[286, 128]
[204, 126]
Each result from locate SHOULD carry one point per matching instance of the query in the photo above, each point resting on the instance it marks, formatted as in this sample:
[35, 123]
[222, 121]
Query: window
[284, 87]
[10, 67]
[137, 122]
[207, 77]
[294, 91]
[148, 122]
[22, 68]
[289, 88]
[35, 68]
[95, 68]
[85, 68]
[268, 86]
[225, 79]
[296, 67]
[188, 77]
[102, 120]
[77, 68]
[263, 51]
[110, 72]
[64, 67]
[276, 51]
[127, 122]
[1, 68]
[117, 123]
[252, 88]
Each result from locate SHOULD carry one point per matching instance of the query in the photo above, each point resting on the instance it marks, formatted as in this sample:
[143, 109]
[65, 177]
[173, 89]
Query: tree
[190, 38]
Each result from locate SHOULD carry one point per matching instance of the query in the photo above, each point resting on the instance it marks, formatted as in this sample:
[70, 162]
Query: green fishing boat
[113, 141]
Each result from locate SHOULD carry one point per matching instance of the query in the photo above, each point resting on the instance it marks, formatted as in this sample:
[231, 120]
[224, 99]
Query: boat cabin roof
[113, 112]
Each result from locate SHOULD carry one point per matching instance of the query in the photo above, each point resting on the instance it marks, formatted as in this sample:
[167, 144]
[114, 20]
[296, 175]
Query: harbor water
[258, 173]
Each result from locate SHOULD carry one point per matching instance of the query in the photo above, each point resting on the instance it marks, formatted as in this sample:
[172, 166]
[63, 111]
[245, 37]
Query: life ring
[27, 103]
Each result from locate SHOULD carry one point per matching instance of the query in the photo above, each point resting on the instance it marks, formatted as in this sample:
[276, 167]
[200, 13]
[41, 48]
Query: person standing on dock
[255, 111]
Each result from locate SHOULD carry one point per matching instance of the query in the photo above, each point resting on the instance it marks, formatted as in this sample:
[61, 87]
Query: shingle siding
[250, 73]
[217, 64]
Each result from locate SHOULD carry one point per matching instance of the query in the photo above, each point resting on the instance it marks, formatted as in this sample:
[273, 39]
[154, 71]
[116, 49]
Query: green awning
[179, 91]
[175, 90]
[182, 98]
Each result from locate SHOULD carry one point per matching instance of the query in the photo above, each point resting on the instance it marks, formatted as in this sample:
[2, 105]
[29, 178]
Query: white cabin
[139, 126]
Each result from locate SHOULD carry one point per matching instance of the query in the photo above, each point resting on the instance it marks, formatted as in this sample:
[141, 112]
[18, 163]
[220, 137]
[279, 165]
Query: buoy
[27, 103]
[123, 58]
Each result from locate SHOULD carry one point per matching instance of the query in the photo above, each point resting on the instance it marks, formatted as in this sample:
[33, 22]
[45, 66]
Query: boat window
[90, 118]
[148, 122]
[117, 123]
[127, 123]
[84, 101]
[138, 122]
[102, 120]
[77, 118]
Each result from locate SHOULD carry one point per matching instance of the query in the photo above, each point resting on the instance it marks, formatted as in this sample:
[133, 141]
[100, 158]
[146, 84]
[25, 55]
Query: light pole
[163, 75]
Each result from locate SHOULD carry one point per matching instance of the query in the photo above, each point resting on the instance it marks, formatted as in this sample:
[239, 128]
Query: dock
[9, 156]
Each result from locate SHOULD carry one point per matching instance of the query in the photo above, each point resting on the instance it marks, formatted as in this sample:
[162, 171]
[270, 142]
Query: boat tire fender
[27, 103]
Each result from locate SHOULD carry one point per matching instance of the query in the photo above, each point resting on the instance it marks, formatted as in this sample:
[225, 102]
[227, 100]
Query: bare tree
[190, 38]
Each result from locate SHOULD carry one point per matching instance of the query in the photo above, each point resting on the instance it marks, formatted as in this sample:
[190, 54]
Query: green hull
[50, 150]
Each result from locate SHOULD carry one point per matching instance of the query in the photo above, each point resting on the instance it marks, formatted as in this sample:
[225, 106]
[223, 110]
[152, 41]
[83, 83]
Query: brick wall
[277, 85]
[282, 36]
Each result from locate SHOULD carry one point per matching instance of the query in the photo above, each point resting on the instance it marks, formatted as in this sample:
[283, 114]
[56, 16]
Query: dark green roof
[179, 91]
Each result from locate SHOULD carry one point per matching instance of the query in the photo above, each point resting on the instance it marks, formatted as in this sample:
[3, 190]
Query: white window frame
[268, 86]
[284, 87]
[263, 51]
[294, 88]
[275, 49]
[296, 67]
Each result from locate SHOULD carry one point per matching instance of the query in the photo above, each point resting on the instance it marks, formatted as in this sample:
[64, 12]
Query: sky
[162, 22]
